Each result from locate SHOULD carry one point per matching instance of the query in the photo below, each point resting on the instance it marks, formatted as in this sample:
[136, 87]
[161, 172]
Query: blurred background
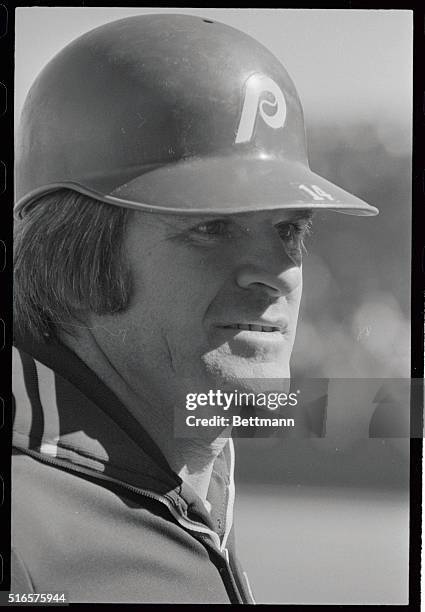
[335, 511]
[323, 520]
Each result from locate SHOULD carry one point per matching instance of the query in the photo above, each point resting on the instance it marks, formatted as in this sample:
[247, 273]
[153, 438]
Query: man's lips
[257, 326]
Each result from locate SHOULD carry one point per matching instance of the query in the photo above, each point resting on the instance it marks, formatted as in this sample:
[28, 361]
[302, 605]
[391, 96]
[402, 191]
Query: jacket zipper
[204, 533]
[230, 504]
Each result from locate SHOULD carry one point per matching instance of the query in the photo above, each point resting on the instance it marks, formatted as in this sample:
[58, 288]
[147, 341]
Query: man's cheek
[184, 346]
[293, 300]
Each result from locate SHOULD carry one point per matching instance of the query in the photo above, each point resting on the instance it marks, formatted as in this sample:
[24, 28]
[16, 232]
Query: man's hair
[68, 259]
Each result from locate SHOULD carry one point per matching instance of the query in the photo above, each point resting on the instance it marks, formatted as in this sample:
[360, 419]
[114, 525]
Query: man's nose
[274, 283]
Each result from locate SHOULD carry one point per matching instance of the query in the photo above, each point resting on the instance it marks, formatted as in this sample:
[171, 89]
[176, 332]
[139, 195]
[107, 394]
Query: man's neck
[191, 459]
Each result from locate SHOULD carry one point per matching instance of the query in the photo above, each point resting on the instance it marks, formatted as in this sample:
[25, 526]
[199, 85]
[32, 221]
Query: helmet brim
[218, 186]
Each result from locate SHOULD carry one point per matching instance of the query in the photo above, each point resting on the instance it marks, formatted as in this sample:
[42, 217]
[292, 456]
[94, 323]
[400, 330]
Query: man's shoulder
[50, 492]
[94, 542]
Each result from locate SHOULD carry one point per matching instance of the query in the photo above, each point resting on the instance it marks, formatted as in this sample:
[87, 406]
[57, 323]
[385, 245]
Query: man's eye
[293, 235]
[216, 227]
[293, 231]
[286, 230]
[289, 231]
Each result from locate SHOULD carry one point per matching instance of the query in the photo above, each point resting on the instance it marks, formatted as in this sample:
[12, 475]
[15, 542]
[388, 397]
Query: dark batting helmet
[170, 113]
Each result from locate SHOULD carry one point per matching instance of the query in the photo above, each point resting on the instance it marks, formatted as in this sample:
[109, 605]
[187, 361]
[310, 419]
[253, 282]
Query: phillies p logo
[255, 87]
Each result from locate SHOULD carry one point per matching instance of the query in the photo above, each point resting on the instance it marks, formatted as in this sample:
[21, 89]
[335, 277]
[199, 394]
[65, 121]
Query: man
[163, 197]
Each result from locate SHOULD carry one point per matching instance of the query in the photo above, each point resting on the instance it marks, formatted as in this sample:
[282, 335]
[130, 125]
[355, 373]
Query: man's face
[215, 301]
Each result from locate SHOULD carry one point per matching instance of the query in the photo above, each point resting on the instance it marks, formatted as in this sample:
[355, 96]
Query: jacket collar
[64, 411]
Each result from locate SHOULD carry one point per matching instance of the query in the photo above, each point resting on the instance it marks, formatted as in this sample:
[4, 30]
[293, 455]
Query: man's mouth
[252, 327]
[254, 339]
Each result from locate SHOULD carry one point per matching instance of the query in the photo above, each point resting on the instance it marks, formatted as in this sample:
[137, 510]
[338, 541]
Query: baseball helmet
[174, 114]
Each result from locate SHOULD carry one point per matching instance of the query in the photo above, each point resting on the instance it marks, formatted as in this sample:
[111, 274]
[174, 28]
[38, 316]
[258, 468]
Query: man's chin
[243, 375]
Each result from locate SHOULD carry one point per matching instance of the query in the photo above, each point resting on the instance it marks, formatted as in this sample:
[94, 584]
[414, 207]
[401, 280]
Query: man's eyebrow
[299, 215]
[182, 220]
[186, 221]
[304, 214]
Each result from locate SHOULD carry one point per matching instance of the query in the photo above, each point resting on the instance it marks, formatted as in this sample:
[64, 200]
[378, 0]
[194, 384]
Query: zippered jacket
[97, 513]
